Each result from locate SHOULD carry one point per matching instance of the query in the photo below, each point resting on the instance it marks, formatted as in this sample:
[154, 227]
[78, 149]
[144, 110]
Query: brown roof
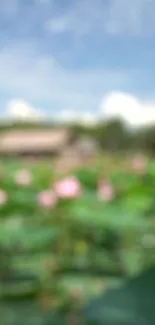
[32, 141]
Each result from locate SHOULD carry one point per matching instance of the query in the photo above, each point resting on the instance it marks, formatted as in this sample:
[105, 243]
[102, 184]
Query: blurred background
[77, 165]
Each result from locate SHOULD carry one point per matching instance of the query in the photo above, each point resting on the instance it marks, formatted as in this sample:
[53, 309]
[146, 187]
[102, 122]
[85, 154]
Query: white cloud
[68, 115]
[131, 110]
[26, 73]
[84, 118]
[126, 107]
[22, 111]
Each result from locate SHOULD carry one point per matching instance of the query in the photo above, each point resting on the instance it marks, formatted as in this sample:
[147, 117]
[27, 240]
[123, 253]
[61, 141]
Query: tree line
[112, 135]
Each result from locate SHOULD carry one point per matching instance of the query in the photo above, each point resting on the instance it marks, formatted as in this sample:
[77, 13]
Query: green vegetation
[57, 252]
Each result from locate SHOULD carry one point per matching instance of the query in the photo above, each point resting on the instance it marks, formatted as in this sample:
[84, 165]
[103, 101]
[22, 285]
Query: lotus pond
[64, 240]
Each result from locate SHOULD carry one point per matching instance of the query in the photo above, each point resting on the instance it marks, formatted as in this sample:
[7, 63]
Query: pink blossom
[23, 177]
[67, 188]
[3, 197]
[138, 163]
[106, 191]
[47, 199]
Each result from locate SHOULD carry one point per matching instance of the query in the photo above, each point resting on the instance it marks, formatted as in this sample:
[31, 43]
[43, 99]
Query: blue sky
[66, 56]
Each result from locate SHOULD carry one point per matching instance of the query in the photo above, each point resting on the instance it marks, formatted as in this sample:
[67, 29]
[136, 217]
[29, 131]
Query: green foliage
[52, 251]
[88, 177]
[131, 304]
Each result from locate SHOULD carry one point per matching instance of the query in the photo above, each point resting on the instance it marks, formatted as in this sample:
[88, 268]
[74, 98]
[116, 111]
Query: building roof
[33, 141]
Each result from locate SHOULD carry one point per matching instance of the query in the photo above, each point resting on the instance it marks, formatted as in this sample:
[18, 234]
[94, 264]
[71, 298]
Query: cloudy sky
[70, 58]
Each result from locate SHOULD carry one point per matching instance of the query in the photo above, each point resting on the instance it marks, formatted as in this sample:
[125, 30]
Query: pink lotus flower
[139, 163]
[3, 197]
[106, 191]
[47, 199]
[67, 188]
[23, 177]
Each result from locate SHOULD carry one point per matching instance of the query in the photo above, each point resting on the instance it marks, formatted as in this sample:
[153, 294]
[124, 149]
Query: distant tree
[148, 139]
[113, 135]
